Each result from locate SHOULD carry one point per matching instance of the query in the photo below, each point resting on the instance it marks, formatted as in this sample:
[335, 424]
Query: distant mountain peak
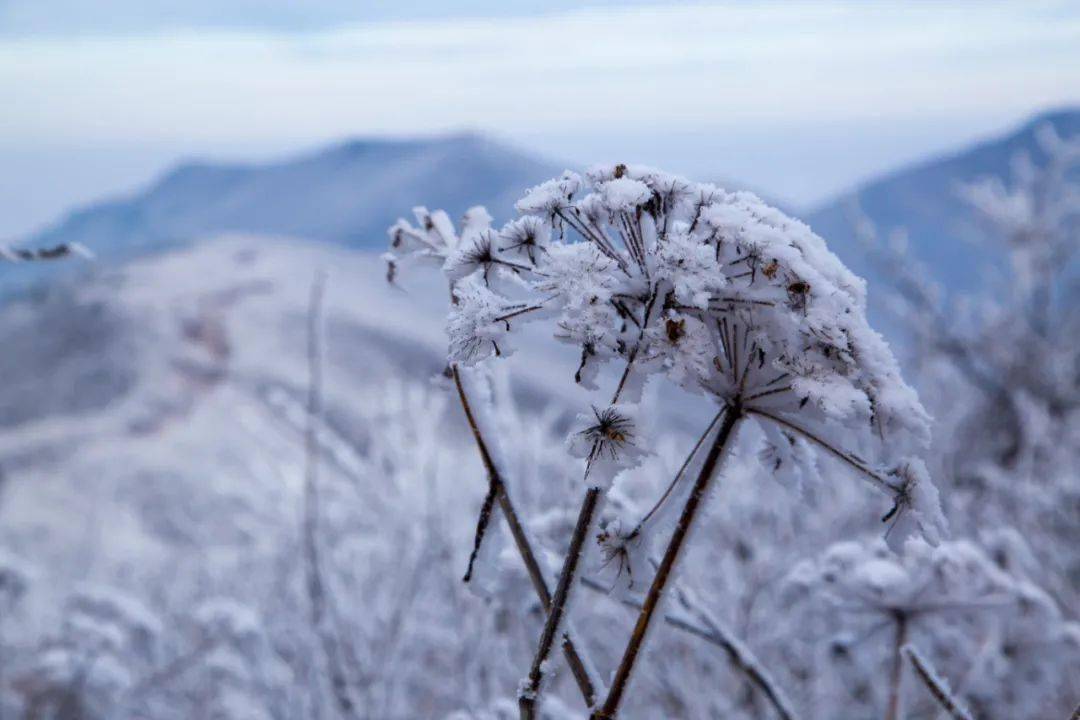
[1067, 118]
[923, 200]
[347, 192]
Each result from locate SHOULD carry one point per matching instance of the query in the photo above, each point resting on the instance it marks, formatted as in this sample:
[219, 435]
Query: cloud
[649, 81]
[125, 17]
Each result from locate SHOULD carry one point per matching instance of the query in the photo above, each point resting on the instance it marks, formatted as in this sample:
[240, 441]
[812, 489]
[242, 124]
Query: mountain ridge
[348, 192]
[922, 199]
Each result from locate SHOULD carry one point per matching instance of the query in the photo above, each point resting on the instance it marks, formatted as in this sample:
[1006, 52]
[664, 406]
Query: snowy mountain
[923, 200]
[347, 194]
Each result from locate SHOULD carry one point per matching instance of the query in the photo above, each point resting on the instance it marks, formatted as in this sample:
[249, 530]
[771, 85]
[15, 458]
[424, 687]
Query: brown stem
[892, 711]
[482, 523]
[666, 569]
[528, 696]
[678, 476]
[713, 634]
[521, 540]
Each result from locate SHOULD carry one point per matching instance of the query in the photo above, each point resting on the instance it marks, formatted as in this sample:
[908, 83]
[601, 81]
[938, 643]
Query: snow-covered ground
[152, 524]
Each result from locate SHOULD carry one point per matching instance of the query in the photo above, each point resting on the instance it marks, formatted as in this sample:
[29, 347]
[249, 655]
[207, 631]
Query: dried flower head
[608, 440]
[714, 290]
[623, 558]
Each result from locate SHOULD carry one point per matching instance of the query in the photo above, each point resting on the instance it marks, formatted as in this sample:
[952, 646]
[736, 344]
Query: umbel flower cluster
[715, 291]
[1007, 635]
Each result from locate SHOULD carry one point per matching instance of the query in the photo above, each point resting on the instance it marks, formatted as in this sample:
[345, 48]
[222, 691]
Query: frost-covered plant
[15, 577]
[718, 293]
[938, 686]
[1004, 359]
[105, 640]
[954, 602]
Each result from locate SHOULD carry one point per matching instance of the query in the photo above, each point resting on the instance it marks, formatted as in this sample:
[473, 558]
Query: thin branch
[739, 655]
[896, 677]
[529, 694]
[515, 313]
[577, 666]
[767, 393]
[873, 477]
[315, 582]
[678, 475]
[666, 570]
[937, 688]
[482, 523]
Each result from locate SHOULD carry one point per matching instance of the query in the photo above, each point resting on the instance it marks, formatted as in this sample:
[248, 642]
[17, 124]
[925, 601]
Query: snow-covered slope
[924, 201]
[157, 411]
[195, 360]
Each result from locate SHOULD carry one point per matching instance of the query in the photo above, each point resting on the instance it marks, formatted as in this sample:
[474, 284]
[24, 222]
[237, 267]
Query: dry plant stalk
[321, 616]
[940, 692]
[718, 449]
[896, 676]
[521, 541]
[715, 291]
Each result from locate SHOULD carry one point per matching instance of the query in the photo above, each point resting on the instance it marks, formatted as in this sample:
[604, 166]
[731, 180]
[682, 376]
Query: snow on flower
[608, 439]
[714, 290]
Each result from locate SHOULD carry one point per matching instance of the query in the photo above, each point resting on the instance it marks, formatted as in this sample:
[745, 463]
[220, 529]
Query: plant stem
[528, 696]
[937, 689]
[739, 655]
[521, 540]
[892, 711]
[678, 476]
[321, 611]
[714, 634]
[865, 471]
[665, 571]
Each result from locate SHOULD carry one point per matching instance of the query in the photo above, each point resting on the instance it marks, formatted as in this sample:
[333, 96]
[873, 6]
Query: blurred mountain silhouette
[349, 193]
[923, 200]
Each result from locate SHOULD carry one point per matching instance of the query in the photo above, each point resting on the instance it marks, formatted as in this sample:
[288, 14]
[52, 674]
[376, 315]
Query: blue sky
[798, 99]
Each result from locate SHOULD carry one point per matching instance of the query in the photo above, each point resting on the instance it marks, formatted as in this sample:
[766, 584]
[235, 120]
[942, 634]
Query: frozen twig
[666, 569]
[936, 685]
[739, 655]
[577, 666]
[695, 620]
[529, 694]
[896, 677]
[315, 582]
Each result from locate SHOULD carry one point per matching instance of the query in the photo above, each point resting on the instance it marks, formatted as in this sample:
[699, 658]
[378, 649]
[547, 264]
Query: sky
[800, 100]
